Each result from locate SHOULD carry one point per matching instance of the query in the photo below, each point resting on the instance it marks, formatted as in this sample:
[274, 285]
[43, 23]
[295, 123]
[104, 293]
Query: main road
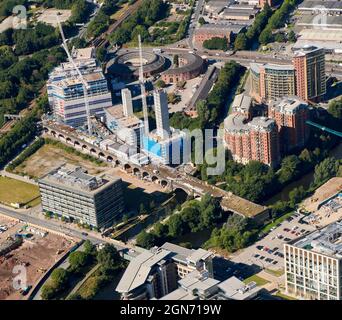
[247, 57]
[59, 228]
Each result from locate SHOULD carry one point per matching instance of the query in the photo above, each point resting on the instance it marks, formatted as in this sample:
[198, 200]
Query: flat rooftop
[288, 104]
[242, 102]
[139, 269]
[255, 67]
[117, 113]
[327, 240]
[334, 5]
[75, 178]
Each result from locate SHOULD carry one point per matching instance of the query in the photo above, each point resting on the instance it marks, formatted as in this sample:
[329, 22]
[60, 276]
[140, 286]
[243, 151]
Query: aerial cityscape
[170, 150]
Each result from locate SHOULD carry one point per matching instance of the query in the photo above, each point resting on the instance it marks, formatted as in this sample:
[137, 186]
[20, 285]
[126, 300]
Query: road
[192, 25]
[247, 57]
[58, 227]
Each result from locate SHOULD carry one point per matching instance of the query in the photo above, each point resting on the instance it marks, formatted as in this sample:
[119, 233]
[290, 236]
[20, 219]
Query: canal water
[176, 199]
[305, 181]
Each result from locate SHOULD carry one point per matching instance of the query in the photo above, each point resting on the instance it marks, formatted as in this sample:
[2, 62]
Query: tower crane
[84, 83]
[143, 91]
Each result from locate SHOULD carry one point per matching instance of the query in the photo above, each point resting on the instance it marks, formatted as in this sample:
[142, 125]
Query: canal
[177, 198]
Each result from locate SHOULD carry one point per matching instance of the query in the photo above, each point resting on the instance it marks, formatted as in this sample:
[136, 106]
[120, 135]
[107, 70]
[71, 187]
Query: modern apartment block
[313, 264]
[66, 92]
[165, 144]
[127, 103]
[155, 273]
[70, 192]
[161, 109]
[121, 120]
[290, 114]
[309, 63]
[255, 140]
[270, 81]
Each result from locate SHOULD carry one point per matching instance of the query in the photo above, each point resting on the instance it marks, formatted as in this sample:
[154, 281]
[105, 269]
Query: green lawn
[15, 191]
[258, 280]
[276, 273]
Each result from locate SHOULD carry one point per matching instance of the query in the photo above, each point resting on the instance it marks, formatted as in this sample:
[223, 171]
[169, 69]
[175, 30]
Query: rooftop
[235, 289]
[306, 49]
[193, 285]
[220, 27]
[117, 113]
[256, 67]
[327, 240]
[237, 123]
[75, 178]
[334, 5]
[193, 62]
[139, 269]
[288, 104]
[242, 103]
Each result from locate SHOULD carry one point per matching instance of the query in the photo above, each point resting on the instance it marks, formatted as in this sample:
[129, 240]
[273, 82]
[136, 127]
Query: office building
[66, 93]
[254, 140]
[313, 264]
[290, 113]
[217, 30]
[70, 192]
[127, 103]
[309, 64]
[161, 110]
[155, 273]
[270, 81]
[200, 286]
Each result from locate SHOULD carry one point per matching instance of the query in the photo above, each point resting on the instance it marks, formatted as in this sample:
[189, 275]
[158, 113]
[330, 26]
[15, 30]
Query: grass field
[15, 191]
[258, 280]
[49, 157]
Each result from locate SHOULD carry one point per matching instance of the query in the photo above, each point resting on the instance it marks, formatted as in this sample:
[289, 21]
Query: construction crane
[142, 88]
[314, 124]
[84, 83]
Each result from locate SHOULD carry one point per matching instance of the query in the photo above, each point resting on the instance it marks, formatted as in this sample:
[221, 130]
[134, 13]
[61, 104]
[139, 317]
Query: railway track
[102, 40]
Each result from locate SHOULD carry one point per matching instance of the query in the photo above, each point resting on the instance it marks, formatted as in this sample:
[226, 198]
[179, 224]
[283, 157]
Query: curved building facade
[270, 81]
[190, 66]
[126, 65]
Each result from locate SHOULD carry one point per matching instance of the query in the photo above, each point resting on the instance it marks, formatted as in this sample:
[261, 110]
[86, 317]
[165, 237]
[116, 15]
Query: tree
[325, 170]
[292, 36]
[160, 84]
[109, 258]
[176, 60]
[335, 109]
[241, 42]
[89, 248]
[289, 169]
[101, 53]
[78, 260]
[201, 21]
[266, 36]
[176, 225]
[216, 43]
[280, 37]
[145, 239]
[161, 230]
[59, 277]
